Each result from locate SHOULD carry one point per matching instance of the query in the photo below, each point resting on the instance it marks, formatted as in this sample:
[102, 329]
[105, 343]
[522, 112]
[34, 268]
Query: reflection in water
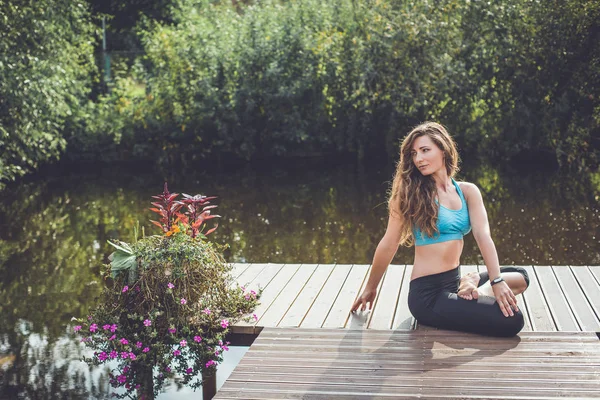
[54, 230]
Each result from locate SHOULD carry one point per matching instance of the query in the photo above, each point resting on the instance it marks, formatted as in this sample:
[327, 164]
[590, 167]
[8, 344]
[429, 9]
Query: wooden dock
[374, 364]
[307, 345]
[559, 298]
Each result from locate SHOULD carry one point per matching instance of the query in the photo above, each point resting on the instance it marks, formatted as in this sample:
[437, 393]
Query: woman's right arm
[386, 249]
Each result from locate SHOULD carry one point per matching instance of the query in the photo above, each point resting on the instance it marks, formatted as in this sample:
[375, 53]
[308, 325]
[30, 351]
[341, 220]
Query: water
[54, 230]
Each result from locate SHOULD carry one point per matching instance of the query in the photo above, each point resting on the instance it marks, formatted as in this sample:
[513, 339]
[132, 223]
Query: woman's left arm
[481, 231]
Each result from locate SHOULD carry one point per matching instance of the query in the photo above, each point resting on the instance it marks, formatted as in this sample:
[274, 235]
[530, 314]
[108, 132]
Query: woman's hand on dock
[367, 296]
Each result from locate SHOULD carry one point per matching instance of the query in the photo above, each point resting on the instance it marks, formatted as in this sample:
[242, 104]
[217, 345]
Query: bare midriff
[436, 258]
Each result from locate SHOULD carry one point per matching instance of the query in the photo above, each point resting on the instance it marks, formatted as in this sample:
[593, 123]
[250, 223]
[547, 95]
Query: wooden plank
[579, 305]
[340, 311]
[387, 301]
[557, 304]
[250, 273]
[321, 306]
[356, 364]
[403, 319]
[238, 268]
[286, 296]
[361, 319]
[589, 286]
[307, 296]
[323, 390]
[595, 270]
[538, 311]
[274, 278]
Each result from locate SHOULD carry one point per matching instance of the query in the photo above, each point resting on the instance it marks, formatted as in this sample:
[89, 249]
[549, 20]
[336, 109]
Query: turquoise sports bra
[452, 224]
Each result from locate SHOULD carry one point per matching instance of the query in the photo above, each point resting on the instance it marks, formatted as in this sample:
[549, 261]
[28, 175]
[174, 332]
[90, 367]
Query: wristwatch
[497, 280]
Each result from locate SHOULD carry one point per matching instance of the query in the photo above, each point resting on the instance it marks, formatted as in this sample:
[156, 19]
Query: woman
[429, 208]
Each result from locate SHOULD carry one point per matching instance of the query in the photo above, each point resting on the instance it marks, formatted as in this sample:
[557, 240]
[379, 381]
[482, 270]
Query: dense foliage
[258, 79]
[46, 71]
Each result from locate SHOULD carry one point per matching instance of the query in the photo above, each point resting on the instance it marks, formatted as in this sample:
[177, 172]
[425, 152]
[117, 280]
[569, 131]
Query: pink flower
[210, 363]
[122, 379]
[77, 328]
[113, 328]
[197, 339]
[206, 311]
[113, 354]
[93, 328]
[170, 285]
[255, 317]
[125, 288]
[102, 356]
[183, 343]
[138, 345]
[224, 324]
[147, 322]
[106, 327]
[172, 330]
[124, 341]
[253, 293]
[189, 371]
[124, 355]
[132, 356]
[89, 317]
[113, 337]
[183, 301]
[146, 349]
[176, 353]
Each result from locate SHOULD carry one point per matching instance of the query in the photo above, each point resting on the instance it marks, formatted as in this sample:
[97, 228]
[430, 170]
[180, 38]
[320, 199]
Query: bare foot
[467, 288]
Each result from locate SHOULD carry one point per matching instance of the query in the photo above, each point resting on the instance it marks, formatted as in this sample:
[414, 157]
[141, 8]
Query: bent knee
[510, 326]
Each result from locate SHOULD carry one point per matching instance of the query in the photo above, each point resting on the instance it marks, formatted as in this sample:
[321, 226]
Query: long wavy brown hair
[414, 194]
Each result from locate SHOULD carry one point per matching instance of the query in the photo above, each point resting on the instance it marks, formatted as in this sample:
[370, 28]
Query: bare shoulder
[470, 190]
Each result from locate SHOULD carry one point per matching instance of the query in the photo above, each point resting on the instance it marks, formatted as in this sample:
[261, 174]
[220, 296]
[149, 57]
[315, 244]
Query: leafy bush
[168, 304]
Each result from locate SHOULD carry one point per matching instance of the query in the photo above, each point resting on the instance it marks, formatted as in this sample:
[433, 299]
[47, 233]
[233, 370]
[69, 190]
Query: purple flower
[210, 363]
[183, 343]
[183, 301]
[197, 339]
[168, 369]
[170, 285]
[206, 311]
[138, 345]
[189, 371]
[176, 353]
[89, 317]
[113, 354]
[132, 356]
[102, 356]
[124, 341]
[113, 328]
[113, 337]
[146, 349]
[93, 328]
[106, 327]
[77, 328]
[147, 322]
[255, 317]
[126, 369]
[124, 355]
[125, 288]
[172, 330]
[224, 324]
[122, 379]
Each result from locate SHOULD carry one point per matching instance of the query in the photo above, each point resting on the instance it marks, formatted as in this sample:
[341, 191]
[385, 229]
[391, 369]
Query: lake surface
[54, 230]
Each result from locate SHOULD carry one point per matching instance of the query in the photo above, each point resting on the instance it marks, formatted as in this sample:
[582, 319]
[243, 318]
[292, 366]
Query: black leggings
[433, 301]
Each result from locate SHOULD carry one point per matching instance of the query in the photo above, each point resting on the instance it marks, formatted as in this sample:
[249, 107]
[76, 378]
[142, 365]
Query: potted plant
[168, 303]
